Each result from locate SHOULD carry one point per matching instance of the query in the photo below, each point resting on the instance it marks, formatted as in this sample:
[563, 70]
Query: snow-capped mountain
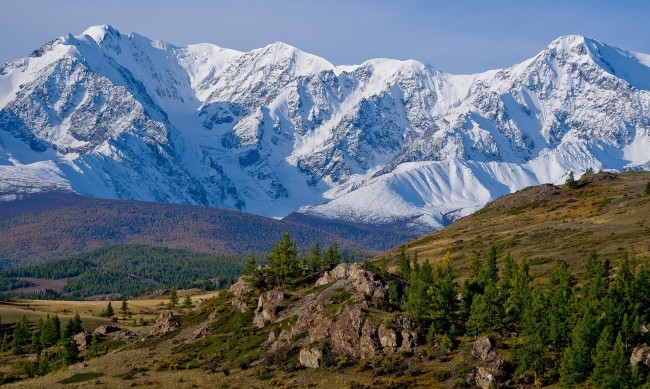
[275, 130]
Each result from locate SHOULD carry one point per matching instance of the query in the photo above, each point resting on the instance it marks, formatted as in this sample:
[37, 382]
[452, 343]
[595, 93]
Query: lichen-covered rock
[105, 329]
[406, 327]
[166, 322]
[278, 352]
[239, 304]
[369, 343]
[346, 333]
[241, 288]
[483, 348]
[640, 356]
[199, 333]
[362, 280]
[267, 307]
[311, 357]
[488, 375]
[83, 340]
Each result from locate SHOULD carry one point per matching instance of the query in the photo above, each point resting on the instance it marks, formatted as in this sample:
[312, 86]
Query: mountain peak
[99, 32]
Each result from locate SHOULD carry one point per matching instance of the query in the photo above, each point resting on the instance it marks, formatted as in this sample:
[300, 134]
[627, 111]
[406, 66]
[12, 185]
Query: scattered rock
[239, 304]
[124, 335]
[406, 327]
[643, 329]
[368, 344]
[483, 348]
[241, 288]
[311, 357]
[200, 302]
[362, 280]
[105, 329]
[213, 316]
[640, 356]
[271, 337]
[484, 379]
[278, 352]
[166, 322]
[33, 358]
[83, 340]
[487, 376]
[200, 332]
[267, 307]
[387, 339]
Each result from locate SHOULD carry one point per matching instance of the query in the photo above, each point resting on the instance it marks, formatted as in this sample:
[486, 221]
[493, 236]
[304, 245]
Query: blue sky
[454, 36]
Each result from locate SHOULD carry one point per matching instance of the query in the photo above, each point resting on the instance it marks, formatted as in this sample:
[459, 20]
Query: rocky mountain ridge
[275, 130]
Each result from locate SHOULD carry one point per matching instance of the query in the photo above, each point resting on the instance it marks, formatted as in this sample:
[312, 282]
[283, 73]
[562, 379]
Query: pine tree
[646, 191]
[43, 363]
[314, 263]
[611, 369]
[187, 302]
[250, 266]
[73, 327]
[520, 296]
[36, 346]
[576, 361]
[69, 351]
[173, 297]
[559, 300]
[93, 350]
[108, 311]
[282, 261]
[442, 291]
[404, 263]
[21, 335]
[332, 255]
[508, 277]
[571, 181]
[124, 308]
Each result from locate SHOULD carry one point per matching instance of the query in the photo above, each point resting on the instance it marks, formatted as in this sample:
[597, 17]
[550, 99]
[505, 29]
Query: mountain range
[282, 133]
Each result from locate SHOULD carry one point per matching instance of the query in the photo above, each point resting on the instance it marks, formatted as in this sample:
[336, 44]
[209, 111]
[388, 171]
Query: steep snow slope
[393, 143]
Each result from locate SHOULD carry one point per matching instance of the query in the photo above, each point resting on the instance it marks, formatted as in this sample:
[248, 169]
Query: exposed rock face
[484, 349]
[311, 357]
[387, 339]
[400, 335]
[484, 379]
[267, 307]
[83, 340]
[362, 280]
[165, 323]
[487, 376]
[105, 329]
[237, 303]
[640, 356]
[200, 332]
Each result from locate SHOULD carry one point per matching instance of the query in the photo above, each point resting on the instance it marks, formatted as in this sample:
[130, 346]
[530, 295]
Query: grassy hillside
[48, 226]
[607, 212]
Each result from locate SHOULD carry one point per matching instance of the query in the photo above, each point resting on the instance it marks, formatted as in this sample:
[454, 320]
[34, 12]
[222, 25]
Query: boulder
[406, 327]
[484, 379]
[199, 333]
[239, 304]
[267, 307]
[278, 352]
[105, 329]
[124, 335]
[83, 340]
[241, 288]
[311, 357]
[362, 280]
[640, 356]
[369, 343]
[387, 339]
[483, 348]
[345, 333]
[487, 376]
[166, 322]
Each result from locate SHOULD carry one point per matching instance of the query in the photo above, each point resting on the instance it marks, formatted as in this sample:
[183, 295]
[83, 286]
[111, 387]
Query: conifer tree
[576, 361]
[187, 302]
[404, 263]
[69, 351]
[43, 363]
[571, 181]
[646, 191]
[559, 301]
[108, 311]
[173, 297]
[283, 262]
[124, 307]
[442, 292]
[314, 262]
[73, 326]
[332, 255]
[250, 266]
[21, 335]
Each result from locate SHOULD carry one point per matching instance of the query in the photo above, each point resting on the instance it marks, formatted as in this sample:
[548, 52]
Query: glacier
[275, 130]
